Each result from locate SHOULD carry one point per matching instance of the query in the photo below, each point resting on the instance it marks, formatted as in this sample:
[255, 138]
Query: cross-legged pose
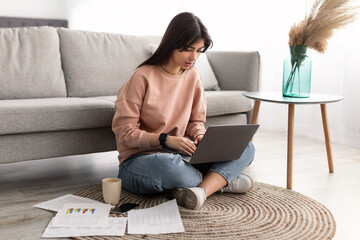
[163, 104]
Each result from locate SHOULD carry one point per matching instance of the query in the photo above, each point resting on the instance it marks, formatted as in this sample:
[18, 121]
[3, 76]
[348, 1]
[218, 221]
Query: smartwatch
[163, 137]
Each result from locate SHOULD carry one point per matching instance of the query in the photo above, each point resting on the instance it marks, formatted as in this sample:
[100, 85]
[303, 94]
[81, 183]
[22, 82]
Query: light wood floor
[24, 184]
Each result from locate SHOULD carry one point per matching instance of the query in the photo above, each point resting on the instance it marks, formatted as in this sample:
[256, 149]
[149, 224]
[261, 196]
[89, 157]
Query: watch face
[162, 138]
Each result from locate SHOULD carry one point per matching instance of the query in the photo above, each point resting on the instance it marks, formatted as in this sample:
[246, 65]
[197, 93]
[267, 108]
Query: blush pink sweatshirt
[154, 101]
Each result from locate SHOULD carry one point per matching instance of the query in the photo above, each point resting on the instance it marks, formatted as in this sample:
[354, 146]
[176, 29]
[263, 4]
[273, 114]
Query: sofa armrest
[236, 70]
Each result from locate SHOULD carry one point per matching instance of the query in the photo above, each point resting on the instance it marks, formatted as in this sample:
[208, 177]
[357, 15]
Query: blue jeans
[154, 173]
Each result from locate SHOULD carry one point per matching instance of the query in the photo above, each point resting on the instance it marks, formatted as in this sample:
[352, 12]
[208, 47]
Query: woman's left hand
[198, 139]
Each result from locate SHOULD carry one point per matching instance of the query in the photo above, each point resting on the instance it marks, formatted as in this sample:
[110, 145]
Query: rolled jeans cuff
[223, 174]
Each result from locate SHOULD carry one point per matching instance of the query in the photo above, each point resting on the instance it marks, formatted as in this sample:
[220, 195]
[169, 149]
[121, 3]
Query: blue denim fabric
[154, 173]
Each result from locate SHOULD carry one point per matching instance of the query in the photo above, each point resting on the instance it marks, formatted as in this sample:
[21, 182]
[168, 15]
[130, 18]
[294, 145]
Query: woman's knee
[251, 148]
[247, 156]
[249, 153]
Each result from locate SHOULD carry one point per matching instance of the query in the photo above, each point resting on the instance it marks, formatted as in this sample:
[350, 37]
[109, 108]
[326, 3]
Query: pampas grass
[318, 26]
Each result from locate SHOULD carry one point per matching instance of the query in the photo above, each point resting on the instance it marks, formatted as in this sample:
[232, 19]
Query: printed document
[115, 227]
[82, 215]
[164, 218]
[57, 203]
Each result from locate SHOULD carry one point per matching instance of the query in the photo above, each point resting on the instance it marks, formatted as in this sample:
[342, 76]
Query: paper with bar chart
[82, 215]
[57, 203]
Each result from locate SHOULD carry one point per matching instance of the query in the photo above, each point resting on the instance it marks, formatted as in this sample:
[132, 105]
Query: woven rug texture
[266, 212]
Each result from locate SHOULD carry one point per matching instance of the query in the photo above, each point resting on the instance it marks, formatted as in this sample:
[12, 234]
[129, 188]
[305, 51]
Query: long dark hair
[184, 30]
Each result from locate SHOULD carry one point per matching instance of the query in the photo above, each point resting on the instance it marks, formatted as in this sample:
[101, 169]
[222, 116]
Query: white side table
[277, 97]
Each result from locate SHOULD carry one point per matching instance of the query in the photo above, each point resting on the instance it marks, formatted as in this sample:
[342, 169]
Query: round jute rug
[266, 212]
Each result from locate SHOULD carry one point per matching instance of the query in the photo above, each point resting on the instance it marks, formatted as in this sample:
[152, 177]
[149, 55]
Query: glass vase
[297, 73]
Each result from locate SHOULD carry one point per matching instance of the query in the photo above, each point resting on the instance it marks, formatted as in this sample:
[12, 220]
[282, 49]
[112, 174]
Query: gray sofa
[58, 88]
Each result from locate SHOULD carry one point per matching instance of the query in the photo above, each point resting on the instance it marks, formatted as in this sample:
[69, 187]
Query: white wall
[236, 25]
[252, 25]
[55, 9]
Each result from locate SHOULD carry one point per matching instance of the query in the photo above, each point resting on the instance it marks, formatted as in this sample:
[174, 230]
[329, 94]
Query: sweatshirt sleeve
[198, 113]
[126, 121]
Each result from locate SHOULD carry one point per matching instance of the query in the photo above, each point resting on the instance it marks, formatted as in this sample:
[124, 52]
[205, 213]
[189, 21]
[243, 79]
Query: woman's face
[186, 59]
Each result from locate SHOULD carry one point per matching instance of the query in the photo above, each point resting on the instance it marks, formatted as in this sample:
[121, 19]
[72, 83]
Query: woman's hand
[198, 139]
[181, 143]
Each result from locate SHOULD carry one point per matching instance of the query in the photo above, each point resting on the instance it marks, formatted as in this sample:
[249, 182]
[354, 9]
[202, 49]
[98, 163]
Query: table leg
[290, 145]
[255, 112]
[327, 137]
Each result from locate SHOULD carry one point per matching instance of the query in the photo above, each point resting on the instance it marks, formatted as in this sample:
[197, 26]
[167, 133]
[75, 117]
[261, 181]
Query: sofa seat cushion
[54, 114]
[227, 102]
[108, 98]
[30, 63]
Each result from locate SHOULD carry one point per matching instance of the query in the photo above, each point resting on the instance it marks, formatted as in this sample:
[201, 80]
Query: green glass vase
[297, 73]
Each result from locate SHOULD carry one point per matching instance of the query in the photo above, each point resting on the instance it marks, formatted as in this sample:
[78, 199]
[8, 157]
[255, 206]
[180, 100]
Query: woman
[163, 104]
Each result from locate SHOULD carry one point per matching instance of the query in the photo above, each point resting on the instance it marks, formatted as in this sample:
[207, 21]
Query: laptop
[220, 143]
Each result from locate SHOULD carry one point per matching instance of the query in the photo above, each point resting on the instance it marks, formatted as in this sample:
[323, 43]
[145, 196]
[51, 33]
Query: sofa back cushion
[208, 77]
[97, 64]
[30, 65]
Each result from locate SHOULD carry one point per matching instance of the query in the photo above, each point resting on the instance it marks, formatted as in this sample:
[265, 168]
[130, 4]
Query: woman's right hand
[181, 143]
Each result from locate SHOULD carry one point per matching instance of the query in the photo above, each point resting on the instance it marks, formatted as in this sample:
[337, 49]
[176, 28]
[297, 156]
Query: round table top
[277, 97]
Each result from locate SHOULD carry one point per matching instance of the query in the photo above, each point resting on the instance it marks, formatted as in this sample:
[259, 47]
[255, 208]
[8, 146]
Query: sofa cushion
[227, 102]
[54, 114]
[236, 70]
[209, 81]
[97, 64]
[30, 63]
[208, 77]
[108, 98]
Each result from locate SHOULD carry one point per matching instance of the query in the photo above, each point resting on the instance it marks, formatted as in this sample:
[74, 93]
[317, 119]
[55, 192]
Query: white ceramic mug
[111, 188]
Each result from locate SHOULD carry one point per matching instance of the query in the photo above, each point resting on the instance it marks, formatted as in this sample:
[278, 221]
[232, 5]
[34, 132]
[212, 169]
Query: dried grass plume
[318, 26]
